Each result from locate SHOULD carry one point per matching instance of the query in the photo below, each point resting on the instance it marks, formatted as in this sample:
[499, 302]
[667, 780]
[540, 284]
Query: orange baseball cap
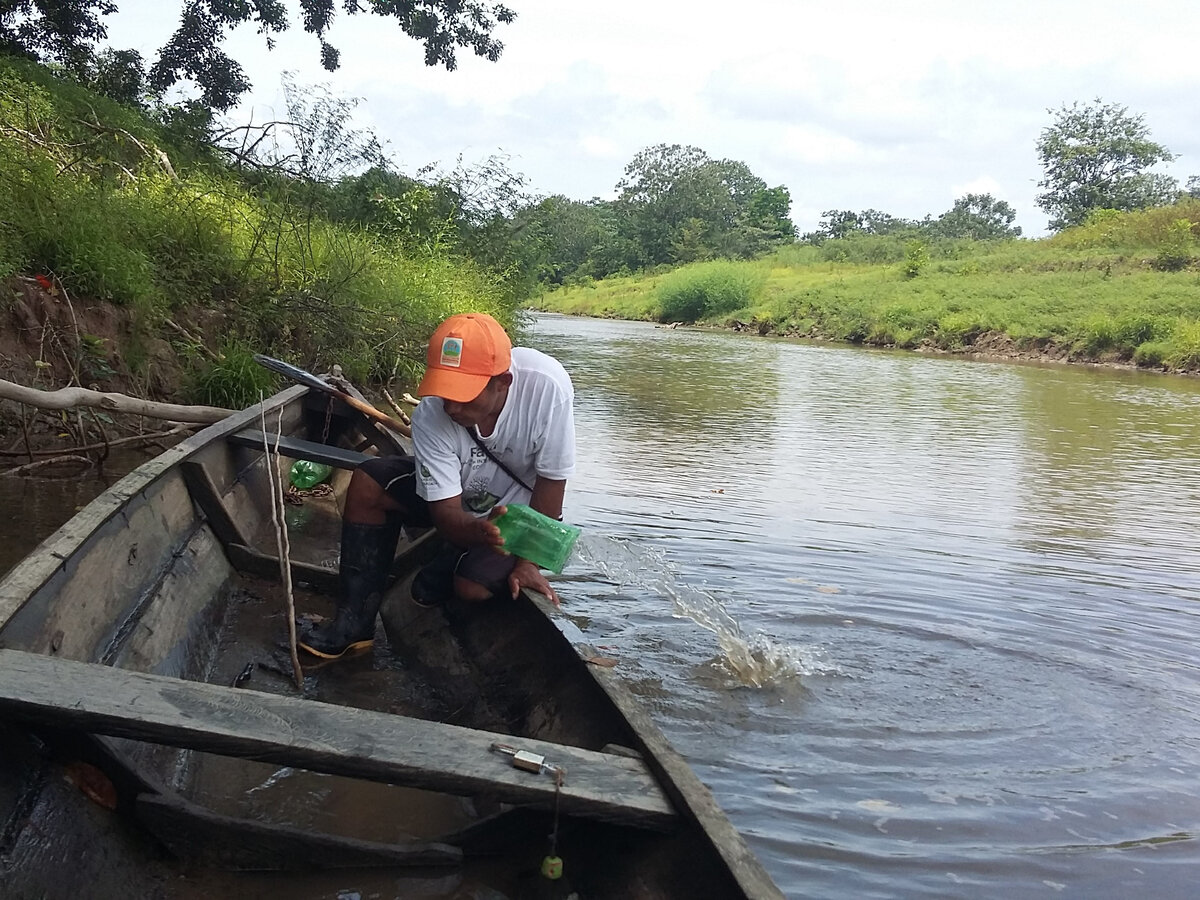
[464, 353]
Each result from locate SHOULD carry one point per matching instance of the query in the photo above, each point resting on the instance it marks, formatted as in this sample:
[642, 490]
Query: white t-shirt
[534, 435]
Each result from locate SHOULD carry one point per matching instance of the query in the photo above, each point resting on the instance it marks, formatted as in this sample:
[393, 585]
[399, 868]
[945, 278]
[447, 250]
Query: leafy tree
[118, 74]
[1097, 156]
[574, 239]
[876, 222]
[677, 205]
[61, 31]
[656, 196]
[836, 224]
[768, 210]
[980, 217]
[66, 31]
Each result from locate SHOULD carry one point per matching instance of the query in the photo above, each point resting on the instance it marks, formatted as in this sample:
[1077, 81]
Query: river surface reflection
[926, 626]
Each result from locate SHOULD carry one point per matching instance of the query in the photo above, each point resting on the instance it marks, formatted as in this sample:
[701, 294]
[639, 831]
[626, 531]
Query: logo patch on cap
[452, 349]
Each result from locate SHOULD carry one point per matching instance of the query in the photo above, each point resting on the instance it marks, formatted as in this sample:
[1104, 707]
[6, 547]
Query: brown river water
[926, 626]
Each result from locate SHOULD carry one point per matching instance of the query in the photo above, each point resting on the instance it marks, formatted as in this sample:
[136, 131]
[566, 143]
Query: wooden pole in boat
[281, 536]
[300, 376]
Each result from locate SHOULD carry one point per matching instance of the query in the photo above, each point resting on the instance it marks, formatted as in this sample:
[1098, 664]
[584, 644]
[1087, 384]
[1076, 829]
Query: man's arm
[459, 527]
[548, 496]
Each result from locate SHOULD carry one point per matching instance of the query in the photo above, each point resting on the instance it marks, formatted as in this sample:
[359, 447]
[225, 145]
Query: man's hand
[460, 527]
[527, 575]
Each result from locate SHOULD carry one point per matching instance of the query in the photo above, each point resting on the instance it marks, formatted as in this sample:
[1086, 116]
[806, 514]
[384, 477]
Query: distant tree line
[979, 217]
[674, 205]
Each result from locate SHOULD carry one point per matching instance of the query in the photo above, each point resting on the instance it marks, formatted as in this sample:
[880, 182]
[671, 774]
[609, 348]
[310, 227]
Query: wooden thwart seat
[323, 738]
[294, 448]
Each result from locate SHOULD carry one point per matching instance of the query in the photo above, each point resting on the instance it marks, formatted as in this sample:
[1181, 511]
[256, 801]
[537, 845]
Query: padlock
[530, 762]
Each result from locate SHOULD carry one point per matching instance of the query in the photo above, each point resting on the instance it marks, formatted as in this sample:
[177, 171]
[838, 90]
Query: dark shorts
[435, 582]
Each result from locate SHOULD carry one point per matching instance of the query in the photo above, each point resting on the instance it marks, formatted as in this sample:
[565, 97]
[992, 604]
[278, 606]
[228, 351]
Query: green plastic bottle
[305, 474]
[535, 537]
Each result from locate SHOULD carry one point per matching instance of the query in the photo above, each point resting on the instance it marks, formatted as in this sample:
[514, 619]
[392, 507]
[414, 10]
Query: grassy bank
[1122, 288]
[203, 262]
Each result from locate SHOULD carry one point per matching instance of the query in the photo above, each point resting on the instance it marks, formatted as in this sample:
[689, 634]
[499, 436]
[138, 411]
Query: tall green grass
[85, 195]
[707, 290]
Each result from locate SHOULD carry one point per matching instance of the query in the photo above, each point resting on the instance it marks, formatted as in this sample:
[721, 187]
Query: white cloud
[816, 146]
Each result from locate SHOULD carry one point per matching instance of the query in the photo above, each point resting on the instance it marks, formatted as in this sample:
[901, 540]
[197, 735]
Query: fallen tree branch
[71, 397]
[148, 438]
[53, 461]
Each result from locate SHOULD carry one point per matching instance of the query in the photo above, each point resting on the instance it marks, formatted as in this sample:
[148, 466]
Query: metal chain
[328, 417]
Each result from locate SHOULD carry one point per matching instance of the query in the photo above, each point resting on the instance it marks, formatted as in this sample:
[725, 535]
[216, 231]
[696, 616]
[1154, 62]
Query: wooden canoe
[155, 742]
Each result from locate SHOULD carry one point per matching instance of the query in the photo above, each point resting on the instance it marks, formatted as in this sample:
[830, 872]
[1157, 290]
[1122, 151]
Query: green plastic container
[306, 474]
[537, 538]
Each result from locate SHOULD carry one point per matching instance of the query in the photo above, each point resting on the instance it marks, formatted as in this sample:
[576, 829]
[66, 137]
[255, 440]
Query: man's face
[484, 407]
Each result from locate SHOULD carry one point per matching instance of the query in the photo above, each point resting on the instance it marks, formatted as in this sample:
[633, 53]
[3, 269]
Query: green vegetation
[114, 206]
[1121, 287]
[707, 290]
[674, 205]
[299, 239]
[1099, 156]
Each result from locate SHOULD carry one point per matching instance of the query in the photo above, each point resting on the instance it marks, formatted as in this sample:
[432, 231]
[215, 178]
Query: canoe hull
[172, 576]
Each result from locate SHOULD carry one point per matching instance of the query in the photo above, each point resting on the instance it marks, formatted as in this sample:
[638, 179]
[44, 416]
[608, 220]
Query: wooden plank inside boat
[324, 738]
[294, 448]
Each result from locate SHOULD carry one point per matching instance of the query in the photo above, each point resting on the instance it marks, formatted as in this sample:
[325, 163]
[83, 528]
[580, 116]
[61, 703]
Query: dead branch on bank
[82, 461]
[72, 397]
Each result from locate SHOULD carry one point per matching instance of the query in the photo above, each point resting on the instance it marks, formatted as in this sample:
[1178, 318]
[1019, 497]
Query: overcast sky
[900, 107]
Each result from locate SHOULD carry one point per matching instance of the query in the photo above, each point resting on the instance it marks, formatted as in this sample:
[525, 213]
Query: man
[495, 425]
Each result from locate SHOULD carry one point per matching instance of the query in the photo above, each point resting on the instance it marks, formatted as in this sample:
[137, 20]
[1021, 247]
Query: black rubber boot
[367, 554]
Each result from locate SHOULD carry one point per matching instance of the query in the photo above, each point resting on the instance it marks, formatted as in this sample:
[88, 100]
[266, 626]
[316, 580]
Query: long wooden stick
[396, 407]
[282, 544]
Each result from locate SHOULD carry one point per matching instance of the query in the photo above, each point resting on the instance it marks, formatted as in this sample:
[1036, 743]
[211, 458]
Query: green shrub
[1184, 350]
[916, 258]
[1151, 354]
[1109, 228]
[235, 381]
[1133, 329]
[1124, 333]
[708, 289]
[1175, 251]
[865, 248]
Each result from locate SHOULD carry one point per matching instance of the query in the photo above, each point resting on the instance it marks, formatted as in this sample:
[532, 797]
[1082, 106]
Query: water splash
[754, 660]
